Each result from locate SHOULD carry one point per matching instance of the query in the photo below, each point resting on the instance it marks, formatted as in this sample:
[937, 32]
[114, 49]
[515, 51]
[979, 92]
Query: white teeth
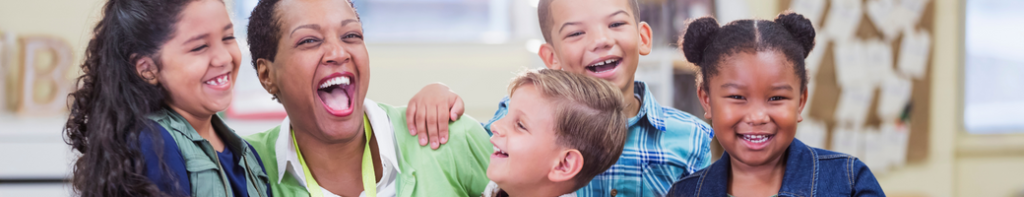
[602, 63]
[756, 138]
[335, 81]
[217, 81]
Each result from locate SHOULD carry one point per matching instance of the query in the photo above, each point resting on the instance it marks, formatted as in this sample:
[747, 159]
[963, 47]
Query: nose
[221, 55]
[601, 41]
[335, 54]
[498, 128]
[757, 116]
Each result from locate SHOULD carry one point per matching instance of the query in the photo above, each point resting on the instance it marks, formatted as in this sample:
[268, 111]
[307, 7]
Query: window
[994, 67]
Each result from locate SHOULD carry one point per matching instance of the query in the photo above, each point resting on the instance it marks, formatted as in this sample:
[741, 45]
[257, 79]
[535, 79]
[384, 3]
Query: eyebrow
[733, 85]
[347, 21]
[204, 36]
[308, 26]
[195, 38]
[577, 23]
[782, 87]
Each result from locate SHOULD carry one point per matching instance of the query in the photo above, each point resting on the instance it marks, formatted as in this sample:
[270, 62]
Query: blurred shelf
[34, 147]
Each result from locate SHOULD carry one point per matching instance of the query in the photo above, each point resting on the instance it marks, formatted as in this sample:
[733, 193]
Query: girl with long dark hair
[156, 72]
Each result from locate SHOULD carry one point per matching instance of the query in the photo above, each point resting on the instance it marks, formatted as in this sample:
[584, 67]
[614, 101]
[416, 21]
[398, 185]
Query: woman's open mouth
[336, 93]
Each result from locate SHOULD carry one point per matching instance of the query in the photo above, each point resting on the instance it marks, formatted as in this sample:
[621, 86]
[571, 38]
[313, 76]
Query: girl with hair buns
[753, 85]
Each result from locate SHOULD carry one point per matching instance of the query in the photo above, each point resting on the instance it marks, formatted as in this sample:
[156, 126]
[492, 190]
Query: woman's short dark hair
[265, 30]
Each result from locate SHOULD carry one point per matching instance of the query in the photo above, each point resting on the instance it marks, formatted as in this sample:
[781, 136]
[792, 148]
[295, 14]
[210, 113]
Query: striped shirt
[664, 145]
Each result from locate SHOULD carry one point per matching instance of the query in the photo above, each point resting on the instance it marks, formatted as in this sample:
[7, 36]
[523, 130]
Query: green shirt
[458, 168]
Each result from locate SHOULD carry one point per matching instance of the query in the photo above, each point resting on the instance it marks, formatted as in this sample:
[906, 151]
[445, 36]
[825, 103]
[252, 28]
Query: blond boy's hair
[544, 15]
[588, 116]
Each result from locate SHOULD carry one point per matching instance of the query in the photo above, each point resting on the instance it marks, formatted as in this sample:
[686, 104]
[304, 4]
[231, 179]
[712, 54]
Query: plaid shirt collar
[649, 107]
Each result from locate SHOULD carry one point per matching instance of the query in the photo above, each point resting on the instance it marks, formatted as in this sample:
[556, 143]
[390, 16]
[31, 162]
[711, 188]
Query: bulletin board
[826, 93]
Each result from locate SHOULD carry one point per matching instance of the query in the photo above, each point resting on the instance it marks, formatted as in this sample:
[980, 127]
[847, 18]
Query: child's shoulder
[676, 119]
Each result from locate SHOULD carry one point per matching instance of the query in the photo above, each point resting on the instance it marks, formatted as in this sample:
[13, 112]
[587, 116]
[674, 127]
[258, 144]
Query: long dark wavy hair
[108, 111]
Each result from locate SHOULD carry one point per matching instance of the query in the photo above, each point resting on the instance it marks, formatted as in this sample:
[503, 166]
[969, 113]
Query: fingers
[410, 118]
[421, 125]
[431, 118]
[458, 108]
[442, 124]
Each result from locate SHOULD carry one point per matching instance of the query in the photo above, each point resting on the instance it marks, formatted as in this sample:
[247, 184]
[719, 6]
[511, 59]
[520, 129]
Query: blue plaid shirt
[664, 145]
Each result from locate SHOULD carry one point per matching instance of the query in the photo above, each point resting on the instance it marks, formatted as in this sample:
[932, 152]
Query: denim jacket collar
[798, 180]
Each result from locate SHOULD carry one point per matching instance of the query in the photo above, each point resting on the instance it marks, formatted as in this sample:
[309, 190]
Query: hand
[429, 112]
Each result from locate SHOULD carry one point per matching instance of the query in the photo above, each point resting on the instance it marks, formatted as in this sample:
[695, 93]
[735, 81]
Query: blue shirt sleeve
[176, 183]
[502, 111]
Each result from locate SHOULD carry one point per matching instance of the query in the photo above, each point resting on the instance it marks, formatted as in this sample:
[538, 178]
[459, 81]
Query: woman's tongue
[336, 98]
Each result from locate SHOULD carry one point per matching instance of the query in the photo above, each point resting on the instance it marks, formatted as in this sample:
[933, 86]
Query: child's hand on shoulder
[430, 111]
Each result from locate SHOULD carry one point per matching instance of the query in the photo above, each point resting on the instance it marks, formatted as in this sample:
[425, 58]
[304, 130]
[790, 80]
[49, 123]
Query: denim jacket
[809, 172]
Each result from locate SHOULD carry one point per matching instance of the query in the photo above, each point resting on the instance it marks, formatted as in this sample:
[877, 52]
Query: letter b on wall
[44, 85]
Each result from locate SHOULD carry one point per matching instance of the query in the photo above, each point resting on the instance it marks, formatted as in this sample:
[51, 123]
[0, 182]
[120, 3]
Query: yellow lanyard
[369, 176]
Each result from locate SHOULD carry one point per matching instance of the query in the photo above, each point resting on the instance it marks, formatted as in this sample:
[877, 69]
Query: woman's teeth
[756, 138]
[217, 81]
[335, 81]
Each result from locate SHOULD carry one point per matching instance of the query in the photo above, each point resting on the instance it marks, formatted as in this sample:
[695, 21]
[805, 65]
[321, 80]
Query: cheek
[726, 114]
[571, 57]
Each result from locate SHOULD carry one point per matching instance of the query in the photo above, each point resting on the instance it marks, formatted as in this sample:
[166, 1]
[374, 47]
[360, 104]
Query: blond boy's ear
[568, 166]
[547, 54]
[266, 74]
[645, 38]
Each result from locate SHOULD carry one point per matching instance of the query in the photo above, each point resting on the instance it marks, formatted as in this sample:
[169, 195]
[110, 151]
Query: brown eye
[574, 34]
[777, 98]
[200, 48]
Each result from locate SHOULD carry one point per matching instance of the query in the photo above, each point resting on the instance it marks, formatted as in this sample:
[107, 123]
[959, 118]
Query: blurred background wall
[35, 160]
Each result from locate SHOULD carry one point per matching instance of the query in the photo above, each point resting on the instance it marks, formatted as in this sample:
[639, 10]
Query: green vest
[205, 172]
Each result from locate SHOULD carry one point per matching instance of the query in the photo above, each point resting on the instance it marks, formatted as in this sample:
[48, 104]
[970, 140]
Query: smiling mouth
[756, 139]
[335, 93]
[604, 66]
[499, 153]
[217, 81]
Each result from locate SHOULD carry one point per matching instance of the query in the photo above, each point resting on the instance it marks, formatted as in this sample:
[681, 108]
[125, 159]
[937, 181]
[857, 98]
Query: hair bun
[698, 37]
[800, 28]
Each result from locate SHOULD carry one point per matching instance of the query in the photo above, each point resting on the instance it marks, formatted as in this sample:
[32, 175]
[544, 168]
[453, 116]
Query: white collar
[288, 160]
[492, 190]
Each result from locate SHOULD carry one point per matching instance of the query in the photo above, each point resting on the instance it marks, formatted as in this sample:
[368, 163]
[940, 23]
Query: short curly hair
[264, 30]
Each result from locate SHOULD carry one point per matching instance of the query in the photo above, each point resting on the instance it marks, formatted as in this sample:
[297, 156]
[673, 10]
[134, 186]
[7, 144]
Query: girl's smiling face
[754, 103]
[200, 61]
